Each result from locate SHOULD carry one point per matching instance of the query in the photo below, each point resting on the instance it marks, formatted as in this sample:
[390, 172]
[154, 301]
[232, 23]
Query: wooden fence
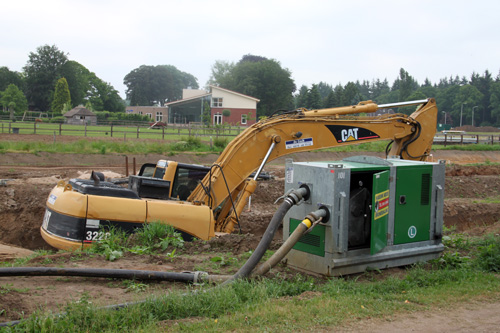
[193, 129]
[463, 139]
[137, 131]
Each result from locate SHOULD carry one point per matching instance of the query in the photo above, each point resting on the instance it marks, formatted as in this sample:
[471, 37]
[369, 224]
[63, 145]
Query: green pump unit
[383, 213]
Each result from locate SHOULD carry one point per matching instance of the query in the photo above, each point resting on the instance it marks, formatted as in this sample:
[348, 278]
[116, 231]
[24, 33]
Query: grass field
[130, 132]
[177, 139]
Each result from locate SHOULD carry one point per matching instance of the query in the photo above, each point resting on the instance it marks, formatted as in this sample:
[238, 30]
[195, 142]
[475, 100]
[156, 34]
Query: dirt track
[31, 177]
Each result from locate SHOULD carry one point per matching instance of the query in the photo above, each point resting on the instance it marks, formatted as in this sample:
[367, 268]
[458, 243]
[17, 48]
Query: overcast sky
[330, 41]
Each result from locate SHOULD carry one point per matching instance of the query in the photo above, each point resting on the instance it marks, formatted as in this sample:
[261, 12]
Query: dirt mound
[482, 170]
[463, 215]
[472, 186]
[470, 128]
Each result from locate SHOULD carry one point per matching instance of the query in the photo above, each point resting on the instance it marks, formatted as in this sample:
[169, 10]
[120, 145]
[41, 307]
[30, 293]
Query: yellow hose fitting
[307, 223]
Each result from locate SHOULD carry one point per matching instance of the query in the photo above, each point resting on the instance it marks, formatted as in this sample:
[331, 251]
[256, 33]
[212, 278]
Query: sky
[316, 40]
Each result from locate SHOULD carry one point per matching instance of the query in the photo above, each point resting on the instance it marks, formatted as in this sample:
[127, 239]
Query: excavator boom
[317, 129]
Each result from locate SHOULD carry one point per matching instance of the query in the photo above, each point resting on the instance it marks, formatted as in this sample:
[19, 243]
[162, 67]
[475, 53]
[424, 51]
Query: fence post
[492, 140]
[34, 127]
[477, 139]
[461, 139]
[60, 129]
[10, 127]
[2, 128]
[445, 137]
[111, 130]
[85, 129]
[137, 132]
[163, 132]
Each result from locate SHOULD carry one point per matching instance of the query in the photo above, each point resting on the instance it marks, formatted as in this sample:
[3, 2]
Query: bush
[58, 120]
[488, 257]
[221, 142]
[158, 236]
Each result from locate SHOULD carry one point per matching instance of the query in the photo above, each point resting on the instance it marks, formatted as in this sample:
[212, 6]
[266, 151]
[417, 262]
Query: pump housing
[382, 213]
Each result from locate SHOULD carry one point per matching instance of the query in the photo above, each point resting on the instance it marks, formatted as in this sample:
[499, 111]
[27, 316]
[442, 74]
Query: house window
[217, 102]
[217, 118]
[140, 112]
[243, 119]
[150, 115]
[159, 116]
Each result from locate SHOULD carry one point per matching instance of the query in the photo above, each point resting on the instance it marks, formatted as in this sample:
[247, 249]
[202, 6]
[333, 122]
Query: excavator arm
[226, 187]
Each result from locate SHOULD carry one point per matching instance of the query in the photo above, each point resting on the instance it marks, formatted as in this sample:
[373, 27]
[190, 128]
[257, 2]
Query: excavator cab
[186, 179]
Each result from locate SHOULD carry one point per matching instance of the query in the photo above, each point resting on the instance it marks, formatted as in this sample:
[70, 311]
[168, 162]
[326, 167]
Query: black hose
[282, 251]
[264, 243]
[105, 273]
[415, 136]
[388, 148]
[98, 272]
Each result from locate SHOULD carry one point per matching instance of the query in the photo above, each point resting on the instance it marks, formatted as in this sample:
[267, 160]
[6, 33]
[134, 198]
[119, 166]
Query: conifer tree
[61, 96]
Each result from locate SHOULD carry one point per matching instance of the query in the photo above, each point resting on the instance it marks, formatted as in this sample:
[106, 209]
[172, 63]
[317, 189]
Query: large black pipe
[98, 272]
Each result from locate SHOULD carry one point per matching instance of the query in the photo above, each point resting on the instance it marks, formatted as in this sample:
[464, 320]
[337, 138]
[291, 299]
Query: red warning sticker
[381, 204]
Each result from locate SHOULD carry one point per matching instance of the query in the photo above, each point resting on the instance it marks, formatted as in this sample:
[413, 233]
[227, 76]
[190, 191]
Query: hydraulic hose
[305, 225]
[291, 199]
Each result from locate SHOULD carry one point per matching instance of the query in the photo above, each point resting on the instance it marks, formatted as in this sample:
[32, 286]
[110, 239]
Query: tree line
[458, 98]
[51, 81]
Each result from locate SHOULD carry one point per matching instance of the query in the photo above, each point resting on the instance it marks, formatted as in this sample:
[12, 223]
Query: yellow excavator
[200, 201]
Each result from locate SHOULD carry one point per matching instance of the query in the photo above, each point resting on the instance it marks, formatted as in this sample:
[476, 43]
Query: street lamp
[444, 117]
[461, 110]
[473, 115]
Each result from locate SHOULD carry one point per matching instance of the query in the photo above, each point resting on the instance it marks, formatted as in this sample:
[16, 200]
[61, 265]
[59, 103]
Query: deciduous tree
[261, 78]
[78, 78]
[9, 77]
[149, 85]
[13, 99]
[42, 71]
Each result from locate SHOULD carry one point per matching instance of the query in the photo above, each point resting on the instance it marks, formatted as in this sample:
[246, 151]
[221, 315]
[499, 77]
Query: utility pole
[461, 110]
[473, 115]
